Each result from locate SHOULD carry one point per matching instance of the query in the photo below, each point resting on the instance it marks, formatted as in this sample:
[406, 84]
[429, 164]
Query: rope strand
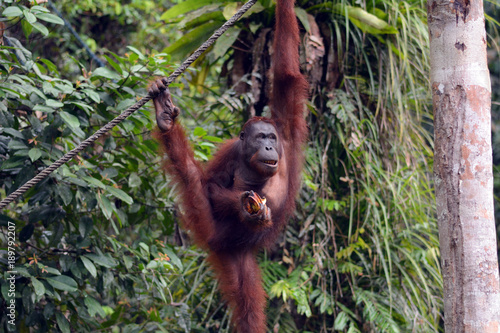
[106, 128]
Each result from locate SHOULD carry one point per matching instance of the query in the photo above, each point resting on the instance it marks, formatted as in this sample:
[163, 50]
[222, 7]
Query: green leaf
[26, 232]
[92, 94]
[199, 131]
[105, 205]
[16, 145]
[63, 282]
[120, 194]
[63, 323]
[40, 27]
[52, 270]
[134, 180]
[85, 226]
[136, 51]
[27, 28]
[173, 257]
[368, 22]
[43, 108]
[89, 266]
[106, 72]
[35, 154]
[50, 65]
[212, 138]
[29, 16]
[93, 181]
[12, 11]
[38, 286]
[184, 7]
[50, 18]
[65, 193]
[94, 307]
[14, 133]
[302, 16]
[54, 104]
[113, 64]
[39, 9]
[225, 41]
[102, 260]
[341, 321]
[190, 41]
[70, 120]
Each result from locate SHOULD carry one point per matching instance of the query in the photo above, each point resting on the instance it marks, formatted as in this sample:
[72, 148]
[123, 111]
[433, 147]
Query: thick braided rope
[106, 128]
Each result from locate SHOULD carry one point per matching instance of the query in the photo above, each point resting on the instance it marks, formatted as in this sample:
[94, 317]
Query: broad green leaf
[134, 180]
[113, 64]
[43, 108]
[38, 286]
[14, 133]
[192, 40]
[63, 282]
[54, 104]
[35, 154]
[65, 193]
[94, 307]
[29, 16]
[50, 18]
[51, 66]
[225, 41]
[201, 16]
[184, 7]
[145, 248]
[39, 9]
[40, 27]
[368, 22]
[85, 226]
[201, 155]
[102, 260]
[52, 270]
[341, 321]
[70, 120]
[89, 266]
[212, 138]
[173, 257]
[82, 106]
[127, 261]
[302, 16]
[16, 145]
[120, 194]
[153, 264]
[136, 51]
[27, 28]
[107, 73]
[26, 232]
[92, 94]
[12, 11]
[11, 163]
[105, 205]
[63, 323]
[199, 131]
[93, 181]
[230, 9]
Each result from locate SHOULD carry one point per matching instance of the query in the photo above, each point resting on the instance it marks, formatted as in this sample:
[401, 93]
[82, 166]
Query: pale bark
[463, 165]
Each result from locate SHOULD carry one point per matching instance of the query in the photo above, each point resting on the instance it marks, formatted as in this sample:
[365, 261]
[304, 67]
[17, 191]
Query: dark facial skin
[261, 148]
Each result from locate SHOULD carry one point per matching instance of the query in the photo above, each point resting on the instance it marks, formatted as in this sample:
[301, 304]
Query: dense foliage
[98, 245]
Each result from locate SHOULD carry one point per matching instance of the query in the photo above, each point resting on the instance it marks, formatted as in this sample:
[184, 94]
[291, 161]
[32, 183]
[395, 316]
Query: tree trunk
[463, 165]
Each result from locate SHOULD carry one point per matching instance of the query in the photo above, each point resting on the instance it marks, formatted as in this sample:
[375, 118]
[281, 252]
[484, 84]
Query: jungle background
[99, 242]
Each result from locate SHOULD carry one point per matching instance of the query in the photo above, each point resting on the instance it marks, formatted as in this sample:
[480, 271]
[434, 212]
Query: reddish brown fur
[211, 195]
